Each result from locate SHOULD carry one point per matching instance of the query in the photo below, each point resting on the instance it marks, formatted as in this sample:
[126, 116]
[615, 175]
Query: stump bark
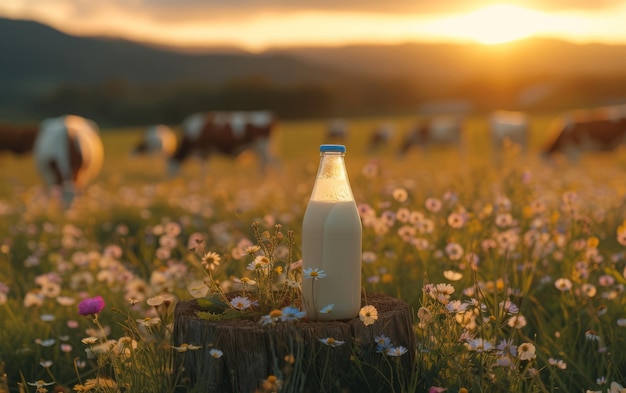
[292, 351]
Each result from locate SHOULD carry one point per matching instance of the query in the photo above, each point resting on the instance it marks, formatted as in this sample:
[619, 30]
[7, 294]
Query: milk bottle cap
[332, 148]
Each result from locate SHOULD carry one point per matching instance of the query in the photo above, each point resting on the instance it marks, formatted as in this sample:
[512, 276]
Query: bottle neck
[331, 182]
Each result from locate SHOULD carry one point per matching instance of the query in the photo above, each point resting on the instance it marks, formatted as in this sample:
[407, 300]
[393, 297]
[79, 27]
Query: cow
[337, 132]
[380, 137]
[597, 130]
[158, 139]
[227, 133]
[68, 154]
[18, 139]
[508, 130]
[442, 130]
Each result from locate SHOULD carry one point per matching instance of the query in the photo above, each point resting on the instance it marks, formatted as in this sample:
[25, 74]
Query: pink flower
[91, 305]
[436, 389]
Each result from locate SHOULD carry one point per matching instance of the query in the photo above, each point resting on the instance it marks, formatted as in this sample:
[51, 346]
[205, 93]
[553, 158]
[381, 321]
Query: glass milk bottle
[331, 242]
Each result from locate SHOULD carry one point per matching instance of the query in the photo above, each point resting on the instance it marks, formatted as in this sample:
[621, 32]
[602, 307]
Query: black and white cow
[68, 154]
[227, 133]
[594, 130]
[440, 130]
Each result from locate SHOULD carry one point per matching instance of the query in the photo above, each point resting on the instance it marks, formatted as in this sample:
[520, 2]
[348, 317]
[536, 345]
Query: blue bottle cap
[332, 148]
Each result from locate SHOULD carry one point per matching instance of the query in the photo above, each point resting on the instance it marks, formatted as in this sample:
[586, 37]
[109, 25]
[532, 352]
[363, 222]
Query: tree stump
[292, 351]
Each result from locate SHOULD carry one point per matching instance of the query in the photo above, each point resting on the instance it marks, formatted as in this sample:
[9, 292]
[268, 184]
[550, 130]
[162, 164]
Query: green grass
[561, 220]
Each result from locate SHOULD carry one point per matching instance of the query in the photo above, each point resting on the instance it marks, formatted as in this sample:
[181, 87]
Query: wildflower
[327, 309]
[592, 335]
[456, 220]
[291, 314]
[452, 275]
[507, 348]
[314, 273]
[240, 303]
[382, 343]
[148, 321]
[517, 321]
[588, 290]
[331, 342]
[89, 340]
[47, 343]
[526, 351]
[91, 306]
[454, 251]
[211, 260]
[400, 195]
[456, 306]
[563, 284]
[368, 257]
[509, 307]
[606, 280]
[45, 363]
[433, 205]
[396, 351]
[437, 389]
[186, 347]
[479, 345]
[155, 301]
[558, 363]
[216, 353]
[46, 317]
[368, 315]
[40, 384]
[504, 220]
[271, 384]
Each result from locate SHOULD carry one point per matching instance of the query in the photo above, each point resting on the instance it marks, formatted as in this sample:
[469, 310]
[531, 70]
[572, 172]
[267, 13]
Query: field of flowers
[515, 272]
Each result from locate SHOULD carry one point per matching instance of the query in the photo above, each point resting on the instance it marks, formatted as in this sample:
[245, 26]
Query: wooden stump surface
[252, 352]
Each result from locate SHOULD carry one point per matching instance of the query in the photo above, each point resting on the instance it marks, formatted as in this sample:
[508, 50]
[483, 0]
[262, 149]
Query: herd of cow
[68, 150]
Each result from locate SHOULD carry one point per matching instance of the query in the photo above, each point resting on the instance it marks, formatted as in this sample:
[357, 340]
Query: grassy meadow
[515, 271]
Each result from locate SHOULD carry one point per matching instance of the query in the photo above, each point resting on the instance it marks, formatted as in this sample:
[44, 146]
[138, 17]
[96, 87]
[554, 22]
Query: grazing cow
[337, 132]
[68, 153]
[508, 129]
[437, 130]
[228, 133]
[17, 139]
[599, 130]
[158, 140]
[380, 137]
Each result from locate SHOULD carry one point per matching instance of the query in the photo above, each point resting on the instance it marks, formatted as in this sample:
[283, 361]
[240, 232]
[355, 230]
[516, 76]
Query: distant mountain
[36, 57]
[36, 60]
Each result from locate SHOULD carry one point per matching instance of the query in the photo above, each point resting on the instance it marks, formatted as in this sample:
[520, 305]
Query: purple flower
[91, 305]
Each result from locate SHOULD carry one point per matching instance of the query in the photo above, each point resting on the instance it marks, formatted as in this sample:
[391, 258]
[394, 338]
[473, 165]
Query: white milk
[331, 241]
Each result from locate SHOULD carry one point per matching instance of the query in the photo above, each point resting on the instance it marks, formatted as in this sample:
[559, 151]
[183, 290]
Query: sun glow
[495, 24]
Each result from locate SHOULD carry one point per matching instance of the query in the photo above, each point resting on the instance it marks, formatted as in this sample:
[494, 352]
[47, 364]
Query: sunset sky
[258, 24]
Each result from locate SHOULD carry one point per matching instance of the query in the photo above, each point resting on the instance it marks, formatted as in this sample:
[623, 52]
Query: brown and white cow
[597, 130]
[508, 130]
[158, 140]
[227, 133]
[17, 139]
[439, 130]
[68, 154]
